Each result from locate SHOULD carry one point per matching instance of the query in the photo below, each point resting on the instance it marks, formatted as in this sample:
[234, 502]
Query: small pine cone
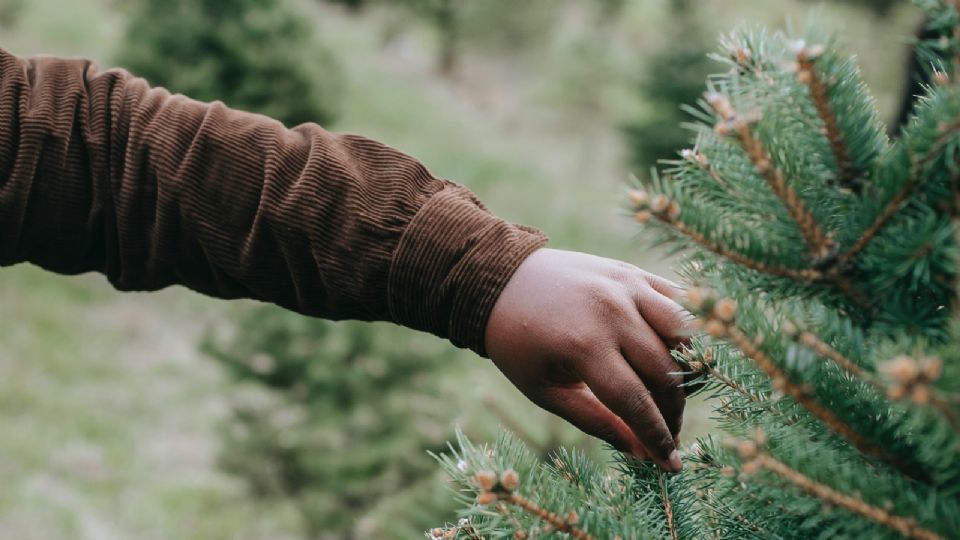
[697, 296]
[721, 105]
[932, 368]
[510, 480]
[436, 534]
[487, 497]
[725, 309]
[750, 467]
[902, 369]
[747, 449]
[940, 78]
[741, 55]
[920, 395]
[642, 216]
[659, 203]
[897, 392]
[673, 210]
[486, 480]
[790, 329]
[715, 328]
[572, 518]
[639, 198]
[520, 535]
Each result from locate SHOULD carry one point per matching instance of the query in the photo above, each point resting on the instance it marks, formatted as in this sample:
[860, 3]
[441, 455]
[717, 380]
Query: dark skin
[588, 339]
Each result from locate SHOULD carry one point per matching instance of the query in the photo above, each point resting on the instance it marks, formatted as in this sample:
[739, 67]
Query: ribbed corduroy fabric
[100, 172]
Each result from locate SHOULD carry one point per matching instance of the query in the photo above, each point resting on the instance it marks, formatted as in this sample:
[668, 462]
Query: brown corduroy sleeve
[99, 172]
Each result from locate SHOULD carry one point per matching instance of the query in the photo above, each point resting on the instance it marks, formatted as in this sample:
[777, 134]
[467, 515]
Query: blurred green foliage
[9, 11]
[351, 413]
[881, 8]
[255, 55]
[674, 76]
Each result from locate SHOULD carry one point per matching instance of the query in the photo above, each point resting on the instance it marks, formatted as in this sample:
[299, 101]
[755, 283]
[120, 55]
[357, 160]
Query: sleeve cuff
[451, 264]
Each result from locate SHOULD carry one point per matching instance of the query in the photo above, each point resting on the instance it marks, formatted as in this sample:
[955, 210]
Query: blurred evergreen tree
[352, 5]
[343, 430]
[506, 25]
[256, 55]
[880, 8]
[10, 11]
[673, 77]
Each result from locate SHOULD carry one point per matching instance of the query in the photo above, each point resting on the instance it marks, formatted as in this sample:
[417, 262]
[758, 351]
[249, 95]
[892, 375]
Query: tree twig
[667, 506]
[819, 243]
[904, 526]
[804, 275]
[799, 394]
[818, 94]
[891, 208]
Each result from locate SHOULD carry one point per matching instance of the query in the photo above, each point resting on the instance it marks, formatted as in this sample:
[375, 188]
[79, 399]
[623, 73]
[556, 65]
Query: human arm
[100, 172]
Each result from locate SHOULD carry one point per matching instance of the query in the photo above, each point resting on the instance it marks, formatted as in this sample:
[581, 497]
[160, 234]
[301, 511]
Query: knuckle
[608, 299]
[580, 343]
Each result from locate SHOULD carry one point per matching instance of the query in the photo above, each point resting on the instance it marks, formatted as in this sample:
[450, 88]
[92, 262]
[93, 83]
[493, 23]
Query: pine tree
[255, 55]
[822, 262]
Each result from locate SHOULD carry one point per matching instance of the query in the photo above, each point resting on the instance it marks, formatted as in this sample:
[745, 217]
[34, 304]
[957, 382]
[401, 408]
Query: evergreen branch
[804, 275]
[868, 235]
[799, 394]
[914, 378]
[704, 367]
[517, 526]
[904, 526]
[943, 405]
[849, 290]
[722, 327]
[818, 94]
[819, 243]
[700, 160]
[504, 490]
[567, 525]
[948, 130]
[817, 345]
[667, 506]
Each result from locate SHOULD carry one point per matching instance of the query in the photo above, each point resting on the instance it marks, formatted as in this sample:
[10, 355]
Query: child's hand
[587, 338]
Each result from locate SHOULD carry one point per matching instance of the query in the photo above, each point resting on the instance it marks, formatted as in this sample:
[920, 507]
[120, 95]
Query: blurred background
[171, 415]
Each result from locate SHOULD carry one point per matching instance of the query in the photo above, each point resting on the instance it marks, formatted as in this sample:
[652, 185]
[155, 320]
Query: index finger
[618, 387]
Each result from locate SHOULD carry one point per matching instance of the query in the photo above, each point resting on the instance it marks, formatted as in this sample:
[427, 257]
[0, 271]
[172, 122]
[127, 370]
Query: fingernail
[675, 462]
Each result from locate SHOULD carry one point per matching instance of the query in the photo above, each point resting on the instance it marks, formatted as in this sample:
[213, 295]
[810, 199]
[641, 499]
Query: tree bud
[510, 480]
[486, 480]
